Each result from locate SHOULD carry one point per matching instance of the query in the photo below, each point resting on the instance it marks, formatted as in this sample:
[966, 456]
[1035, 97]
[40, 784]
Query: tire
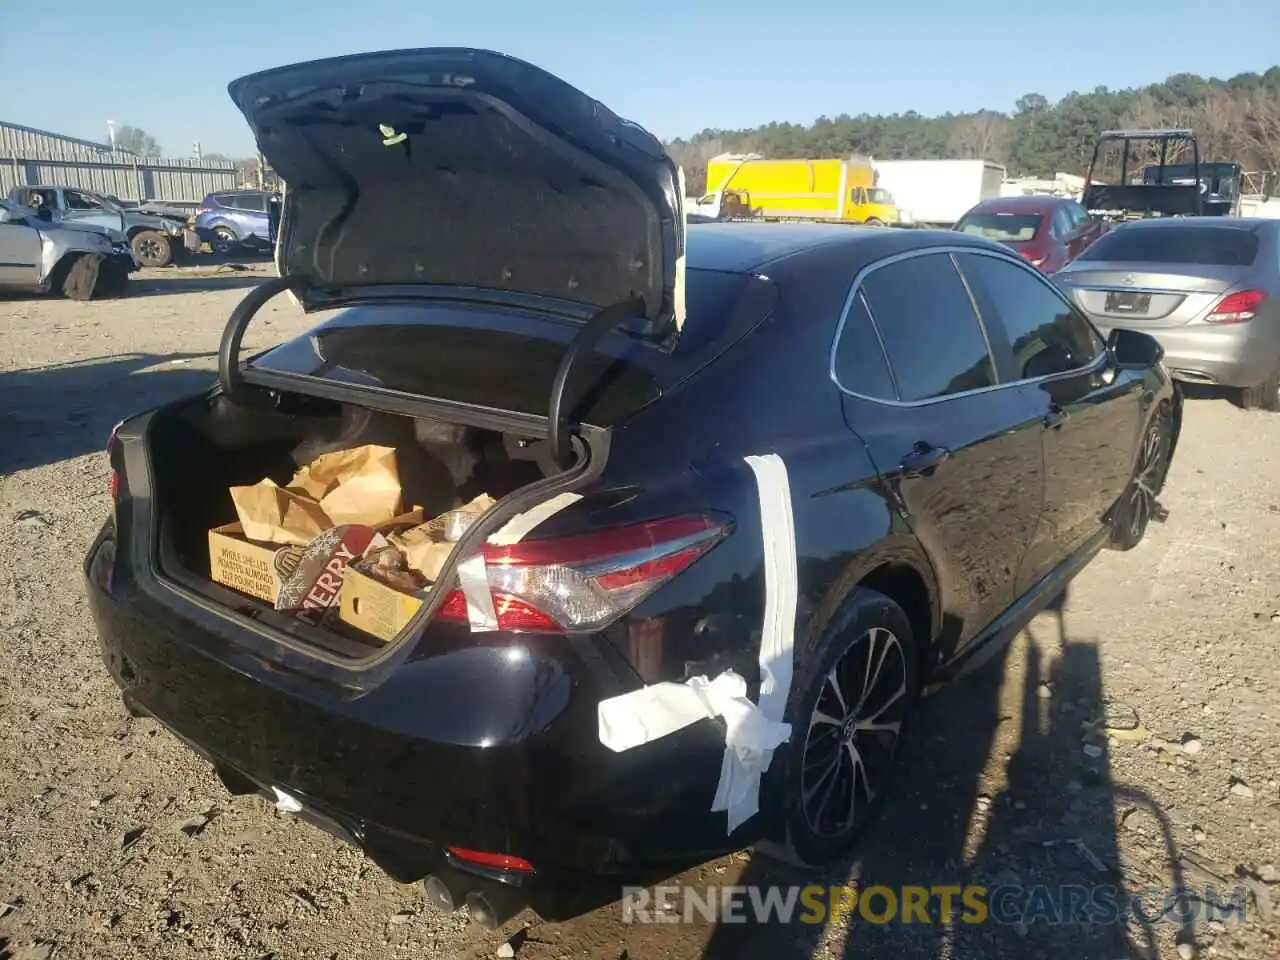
[871, 632]
[1132, 514]
[224, 241]
[1262, 396]
[81, 277]
[873, 222]
[152, 248]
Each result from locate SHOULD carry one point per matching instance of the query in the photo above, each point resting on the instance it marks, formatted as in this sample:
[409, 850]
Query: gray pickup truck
[79, 261]
[154, 238]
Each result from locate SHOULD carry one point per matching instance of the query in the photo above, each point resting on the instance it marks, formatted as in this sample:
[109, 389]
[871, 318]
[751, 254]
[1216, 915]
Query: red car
[1049, 232]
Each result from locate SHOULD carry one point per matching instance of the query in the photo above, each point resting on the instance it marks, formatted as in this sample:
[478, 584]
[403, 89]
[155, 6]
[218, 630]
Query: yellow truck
[748, 185]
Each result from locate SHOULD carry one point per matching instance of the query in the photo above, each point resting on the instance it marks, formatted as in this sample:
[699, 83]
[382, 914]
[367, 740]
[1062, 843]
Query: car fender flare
[898, 550]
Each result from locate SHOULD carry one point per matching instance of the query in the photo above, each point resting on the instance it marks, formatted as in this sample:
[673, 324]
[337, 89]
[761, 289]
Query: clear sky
[674, 66]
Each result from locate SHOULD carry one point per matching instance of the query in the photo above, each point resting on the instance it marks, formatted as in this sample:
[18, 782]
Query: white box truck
[939, 192]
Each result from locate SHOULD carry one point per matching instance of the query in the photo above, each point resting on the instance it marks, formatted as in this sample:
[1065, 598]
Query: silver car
[1208, 288]
[78, 261]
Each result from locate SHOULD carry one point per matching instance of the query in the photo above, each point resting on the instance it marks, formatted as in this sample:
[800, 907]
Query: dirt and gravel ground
[1132, 736]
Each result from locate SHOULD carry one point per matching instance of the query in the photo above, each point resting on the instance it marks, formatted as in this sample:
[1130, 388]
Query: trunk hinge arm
[229, 375]
[583, 342]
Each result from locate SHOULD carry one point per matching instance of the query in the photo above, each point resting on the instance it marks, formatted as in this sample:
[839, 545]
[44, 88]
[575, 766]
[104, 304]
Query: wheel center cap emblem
[849, 727]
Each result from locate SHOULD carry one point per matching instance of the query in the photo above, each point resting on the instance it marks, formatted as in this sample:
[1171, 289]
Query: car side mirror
[1133, 349]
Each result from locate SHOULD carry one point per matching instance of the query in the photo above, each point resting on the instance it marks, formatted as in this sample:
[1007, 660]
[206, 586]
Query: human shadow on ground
[996, 790]
[53, 413]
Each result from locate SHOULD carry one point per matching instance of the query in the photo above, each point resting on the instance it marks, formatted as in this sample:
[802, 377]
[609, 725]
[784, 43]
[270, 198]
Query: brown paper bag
[427, 547]
[422, 553]
[360, 485]
[278, 515]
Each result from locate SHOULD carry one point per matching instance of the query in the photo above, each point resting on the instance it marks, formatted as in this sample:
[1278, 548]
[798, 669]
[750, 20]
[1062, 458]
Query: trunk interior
[200, 449]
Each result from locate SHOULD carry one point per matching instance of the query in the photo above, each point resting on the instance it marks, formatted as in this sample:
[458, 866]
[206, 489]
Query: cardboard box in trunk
[260, 569]
[244, 565]
[372, 606]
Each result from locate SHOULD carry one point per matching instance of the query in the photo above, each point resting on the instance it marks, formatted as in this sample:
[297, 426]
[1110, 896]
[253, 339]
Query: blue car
[235, 218]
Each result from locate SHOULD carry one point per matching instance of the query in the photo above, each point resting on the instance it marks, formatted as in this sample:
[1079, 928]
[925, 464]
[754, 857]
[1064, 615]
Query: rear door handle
[1055, 418]
[923, 460]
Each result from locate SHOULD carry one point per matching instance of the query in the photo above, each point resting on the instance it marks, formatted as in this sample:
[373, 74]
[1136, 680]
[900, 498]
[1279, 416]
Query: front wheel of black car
[847, 721]
[1262, 396]
[1138, 505]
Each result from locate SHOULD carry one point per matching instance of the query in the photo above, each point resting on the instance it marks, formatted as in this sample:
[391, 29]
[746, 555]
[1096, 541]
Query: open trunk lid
[415, 172]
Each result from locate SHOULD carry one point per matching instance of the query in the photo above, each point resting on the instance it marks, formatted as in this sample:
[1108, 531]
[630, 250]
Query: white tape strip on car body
[752, 731]
[473, 576]
[474, 581]
[522, 524]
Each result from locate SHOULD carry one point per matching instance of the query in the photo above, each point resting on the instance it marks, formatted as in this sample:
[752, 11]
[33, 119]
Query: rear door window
[859, 363]
[1208, 246]
[931, 334]
[1034, 331]
[253, 202]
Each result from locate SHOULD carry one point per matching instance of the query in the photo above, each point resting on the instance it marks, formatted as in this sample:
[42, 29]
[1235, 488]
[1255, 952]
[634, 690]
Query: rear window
[1002, 227]
[1210, 246]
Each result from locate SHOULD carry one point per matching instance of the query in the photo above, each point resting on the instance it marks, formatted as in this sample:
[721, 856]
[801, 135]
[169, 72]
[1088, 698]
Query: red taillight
[583, 582]
[1239, 307]
[113, 481]
[499, 861]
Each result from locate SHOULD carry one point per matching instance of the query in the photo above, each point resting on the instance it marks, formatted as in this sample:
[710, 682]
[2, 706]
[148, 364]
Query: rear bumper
[1235, 355]
[491, 746]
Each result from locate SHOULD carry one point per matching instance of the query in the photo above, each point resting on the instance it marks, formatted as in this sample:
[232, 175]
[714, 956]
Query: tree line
[1235, 120]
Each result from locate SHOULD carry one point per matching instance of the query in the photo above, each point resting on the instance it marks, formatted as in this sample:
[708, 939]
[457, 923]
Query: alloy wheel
[1142, 495]
[853, 733]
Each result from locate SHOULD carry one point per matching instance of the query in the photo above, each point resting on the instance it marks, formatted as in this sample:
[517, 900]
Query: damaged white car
[79, 262]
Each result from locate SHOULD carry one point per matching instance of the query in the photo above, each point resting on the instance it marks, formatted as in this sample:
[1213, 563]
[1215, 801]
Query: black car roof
[742, 246]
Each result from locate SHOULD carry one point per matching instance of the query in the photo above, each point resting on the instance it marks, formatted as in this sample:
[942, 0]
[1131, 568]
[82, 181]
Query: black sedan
[757, 486]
